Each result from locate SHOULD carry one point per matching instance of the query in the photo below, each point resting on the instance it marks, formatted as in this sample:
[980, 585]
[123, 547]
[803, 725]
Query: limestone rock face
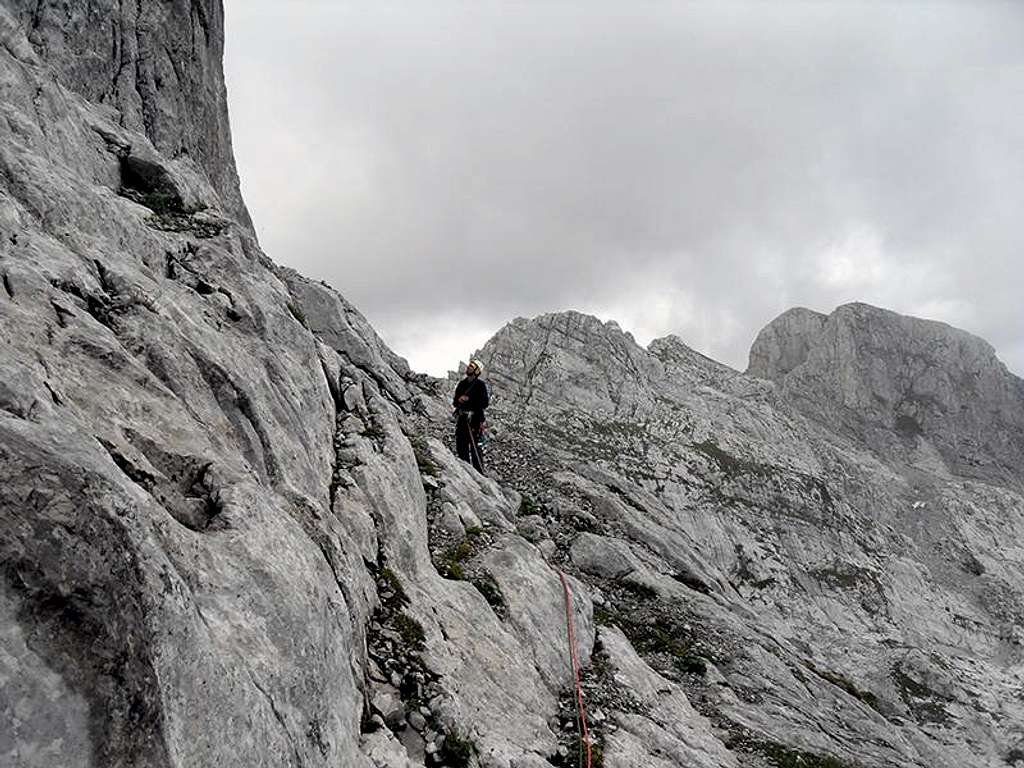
[575, 357]
[918, 391]
[214, 529]
[154, 68]
[232, 532]
[820, 600]
[785, 343]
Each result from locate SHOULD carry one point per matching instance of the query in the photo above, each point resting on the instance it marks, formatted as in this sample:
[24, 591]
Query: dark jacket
[476, 389]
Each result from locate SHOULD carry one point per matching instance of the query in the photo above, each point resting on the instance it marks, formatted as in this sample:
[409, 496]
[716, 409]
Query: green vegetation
[846, 576]
[395, 585]
[297, 313]
[640, 591]
[489, 588]
[527, 506]
[782, 756]
[373, 432]
[422, 454]
[160, 203]
[411, 631]
[617, 429]
[926, 704]
[450, 562]
[185, 221]
[841, 682]
[457, 751]
[729, 464]
[657, 634]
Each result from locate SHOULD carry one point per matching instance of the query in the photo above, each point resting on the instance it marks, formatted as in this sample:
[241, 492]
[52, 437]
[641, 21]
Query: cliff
[232, 532]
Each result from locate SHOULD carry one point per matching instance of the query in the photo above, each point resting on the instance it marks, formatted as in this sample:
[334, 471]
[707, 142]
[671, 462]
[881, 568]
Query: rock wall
[819, 602]
[154, 68]
[213, 525]
[916, 390]
[232, 533]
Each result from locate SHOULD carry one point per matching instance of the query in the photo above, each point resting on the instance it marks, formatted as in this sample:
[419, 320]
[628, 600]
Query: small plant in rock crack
[527, 506]
[451, 563]
[456, 751]
[782, 756]
[422, 453]
[658, 635]
[297, 313]
[451, 560]
[640, 591]
[410, 630]
[373, 432]
[489, 588]
[393, 587]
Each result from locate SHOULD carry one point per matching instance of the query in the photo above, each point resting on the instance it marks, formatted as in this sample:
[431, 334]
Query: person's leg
[462, 440]
[474, 449]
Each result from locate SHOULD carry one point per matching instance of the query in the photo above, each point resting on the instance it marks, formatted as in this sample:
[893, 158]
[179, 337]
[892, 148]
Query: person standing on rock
[470, 400]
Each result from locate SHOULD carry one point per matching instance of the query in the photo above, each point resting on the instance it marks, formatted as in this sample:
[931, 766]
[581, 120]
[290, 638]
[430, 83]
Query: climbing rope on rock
[475, 448]
[574, 659]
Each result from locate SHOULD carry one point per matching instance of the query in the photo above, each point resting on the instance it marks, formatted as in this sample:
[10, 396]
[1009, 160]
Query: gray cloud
[684, 168]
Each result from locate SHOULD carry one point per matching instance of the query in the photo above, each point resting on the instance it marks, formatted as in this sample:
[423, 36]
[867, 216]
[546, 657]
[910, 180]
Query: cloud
[694, 168]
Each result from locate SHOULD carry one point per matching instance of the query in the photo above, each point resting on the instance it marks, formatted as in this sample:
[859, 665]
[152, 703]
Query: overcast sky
[687, 168]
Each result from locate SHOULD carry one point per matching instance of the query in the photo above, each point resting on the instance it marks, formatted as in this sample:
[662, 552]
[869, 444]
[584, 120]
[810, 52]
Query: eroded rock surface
[820, 597]
[213, 524]
[232, 533]
[917, 391]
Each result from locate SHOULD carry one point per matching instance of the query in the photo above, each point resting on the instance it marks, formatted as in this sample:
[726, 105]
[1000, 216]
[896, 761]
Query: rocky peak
[569, 357]
[686, 366]
[904, 385]
[784, 343]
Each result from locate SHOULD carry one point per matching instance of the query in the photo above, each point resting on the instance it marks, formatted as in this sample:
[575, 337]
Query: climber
[470, 400]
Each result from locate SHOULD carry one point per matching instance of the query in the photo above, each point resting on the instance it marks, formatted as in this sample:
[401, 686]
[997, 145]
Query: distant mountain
[915, 390]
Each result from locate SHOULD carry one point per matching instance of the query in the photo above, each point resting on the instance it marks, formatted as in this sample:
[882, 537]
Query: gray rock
[417, 721]
[602, 556]
[414, 744]
[207, 467]
[901, 384]
[753, 523]
[532, 528]
[388, 703]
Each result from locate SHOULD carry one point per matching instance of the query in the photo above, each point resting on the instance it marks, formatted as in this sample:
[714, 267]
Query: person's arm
[485, 397]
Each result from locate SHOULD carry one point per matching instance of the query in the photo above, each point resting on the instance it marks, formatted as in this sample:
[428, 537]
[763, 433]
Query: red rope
[585, 736]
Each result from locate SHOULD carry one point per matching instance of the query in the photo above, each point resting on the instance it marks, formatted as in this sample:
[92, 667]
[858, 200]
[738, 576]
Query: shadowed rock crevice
[180, 484]
[249, 430]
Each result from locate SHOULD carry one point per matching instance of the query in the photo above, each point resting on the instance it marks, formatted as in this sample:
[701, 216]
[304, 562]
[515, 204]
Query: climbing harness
[580, 708]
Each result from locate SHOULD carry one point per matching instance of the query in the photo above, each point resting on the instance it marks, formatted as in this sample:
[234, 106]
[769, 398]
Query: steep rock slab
[156, 66]
[916, 390]
[213, 496]
[166, 431]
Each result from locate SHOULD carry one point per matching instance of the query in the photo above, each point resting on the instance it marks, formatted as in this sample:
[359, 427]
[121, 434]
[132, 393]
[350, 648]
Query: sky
[686, 168]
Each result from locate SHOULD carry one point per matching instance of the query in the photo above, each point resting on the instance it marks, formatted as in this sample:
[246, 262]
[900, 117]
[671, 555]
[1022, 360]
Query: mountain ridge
[233, 531]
